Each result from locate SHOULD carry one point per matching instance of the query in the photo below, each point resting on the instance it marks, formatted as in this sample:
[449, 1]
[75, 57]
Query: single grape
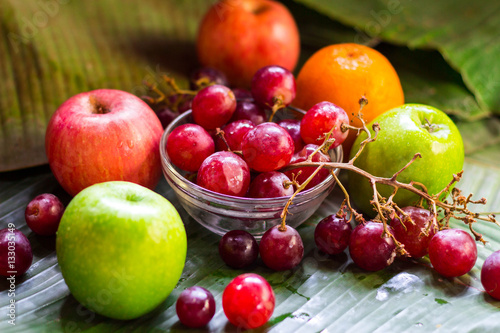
[319, 120]
[206, 76]
[233, 133]
[242, 94]
[15, 252]
[411, 235]
[490, 275]
[273, 83]
[306, 172]
[195, 306]
[292, 126]
[452, 252]
[368, 249]
[332, 234]
[248, 301]
[166, 116]
[267, 147]
[213, 106]
[281, 250]
[270, 185]
[238, 248]
[249, 111]
[224, 172]
[188, 146]
[44, 213]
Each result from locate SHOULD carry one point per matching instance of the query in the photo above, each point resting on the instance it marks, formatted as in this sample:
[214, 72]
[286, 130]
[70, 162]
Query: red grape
[319, 120]
[305, 172]
[195, 306]
[243, 94]
[213, 106]
[368, 249]
[249, 111]
[248, 301]
[205, 76]
[490, 275]
[238, 248]
[267, 147]
[233, 133]
[15, 252]
[224, 172]
[188, 146]
[269, 185]
[292, 126]
[166, 115]
[44, 213]
[281, 250]
[332, 234]
[273, 82]
[411, 234]
[452, 252]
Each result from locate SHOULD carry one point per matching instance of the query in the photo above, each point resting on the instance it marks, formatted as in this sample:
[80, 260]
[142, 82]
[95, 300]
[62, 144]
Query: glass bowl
[221, 213]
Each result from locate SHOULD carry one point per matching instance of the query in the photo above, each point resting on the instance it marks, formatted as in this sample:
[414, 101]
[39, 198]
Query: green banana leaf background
[446, 55]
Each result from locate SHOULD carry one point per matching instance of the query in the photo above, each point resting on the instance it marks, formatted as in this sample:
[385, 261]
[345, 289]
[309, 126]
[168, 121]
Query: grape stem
[386, 207]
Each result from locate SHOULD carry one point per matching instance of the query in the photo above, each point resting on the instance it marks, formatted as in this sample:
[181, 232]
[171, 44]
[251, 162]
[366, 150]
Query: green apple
[121, 248]
[405, 131]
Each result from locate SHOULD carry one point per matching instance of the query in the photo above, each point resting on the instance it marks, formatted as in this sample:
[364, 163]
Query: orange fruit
[342, 74]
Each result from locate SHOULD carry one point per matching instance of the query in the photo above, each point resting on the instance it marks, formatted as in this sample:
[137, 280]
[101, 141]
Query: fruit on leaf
[239, 37]
[452, 252]
[195, 306]
[405, 131]
[281, 249]
[490, 275]
[414, 234]
[248, 301]
[15, 252]
[369, 248]
[104, 135]
[342, 74]
[43, 214]
[238, 248]
[121, 248]
[332, 234]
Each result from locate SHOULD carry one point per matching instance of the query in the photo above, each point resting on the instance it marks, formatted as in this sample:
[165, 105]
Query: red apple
[238, 37]
[104, 135]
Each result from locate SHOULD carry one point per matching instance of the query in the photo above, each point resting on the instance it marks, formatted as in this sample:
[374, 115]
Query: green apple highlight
[405, 131]
[121, 248]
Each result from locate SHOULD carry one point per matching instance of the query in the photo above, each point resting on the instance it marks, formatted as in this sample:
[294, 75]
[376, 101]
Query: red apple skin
[239, 37]
[104, 135]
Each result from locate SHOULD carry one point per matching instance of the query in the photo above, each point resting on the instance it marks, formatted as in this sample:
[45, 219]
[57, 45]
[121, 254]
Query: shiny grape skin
[490, 275]
[292, 126]
[267, 147]
[238, 249]
[272, 82]
[224, 172]
[248, 301]
[410, 235]
[249, 111]
[332, 234]
[305, 172]
[452, 252]
[188, 146]
[319, 120]
[213, 106]
[13, 240]
[270, 185]
[368, 249]
[281, 250]
[233, 133]
[195, 307]
[43, 214]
